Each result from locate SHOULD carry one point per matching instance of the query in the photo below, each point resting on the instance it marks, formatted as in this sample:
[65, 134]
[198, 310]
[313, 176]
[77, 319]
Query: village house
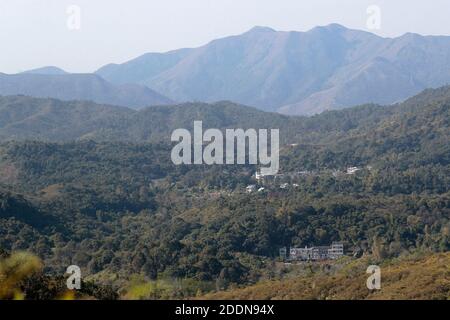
[352, 170]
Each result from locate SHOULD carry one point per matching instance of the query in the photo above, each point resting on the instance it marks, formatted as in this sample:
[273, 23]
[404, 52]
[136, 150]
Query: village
[287, 180]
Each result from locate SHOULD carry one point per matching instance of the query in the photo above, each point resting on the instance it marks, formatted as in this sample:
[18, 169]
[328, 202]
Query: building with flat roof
[317, 253]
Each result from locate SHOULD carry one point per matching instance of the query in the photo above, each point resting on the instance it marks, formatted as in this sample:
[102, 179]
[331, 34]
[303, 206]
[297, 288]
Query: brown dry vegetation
[407, 278]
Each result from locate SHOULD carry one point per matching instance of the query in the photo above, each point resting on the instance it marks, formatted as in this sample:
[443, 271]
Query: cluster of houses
[253, 187]
[292, 175]
[281, 178]
[332, 252]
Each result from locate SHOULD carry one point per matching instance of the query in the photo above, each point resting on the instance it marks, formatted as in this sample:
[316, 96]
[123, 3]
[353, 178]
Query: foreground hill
[56, 84]
[125, 209]
[408, 278]
[329, 67]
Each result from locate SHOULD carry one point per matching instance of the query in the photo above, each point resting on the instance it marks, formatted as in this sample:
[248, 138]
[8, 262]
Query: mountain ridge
[79, 87]
[327, 67]
[49, 70]
[25, 118]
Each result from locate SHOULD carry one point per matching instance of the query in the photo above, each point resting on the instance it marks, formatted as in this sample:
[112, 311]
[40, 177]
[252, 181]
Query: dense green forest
[100, 191]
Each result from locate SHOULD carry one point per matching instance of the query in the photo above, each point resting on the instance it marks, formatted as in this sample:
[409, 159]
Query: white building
[352, 170]
[332, 252]
[300, 253]
[336, 250]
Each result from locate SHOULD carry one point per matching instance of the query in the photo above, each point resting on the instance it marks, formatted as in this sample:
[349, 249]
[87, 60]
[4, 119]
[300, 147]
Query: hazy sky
[35, 33]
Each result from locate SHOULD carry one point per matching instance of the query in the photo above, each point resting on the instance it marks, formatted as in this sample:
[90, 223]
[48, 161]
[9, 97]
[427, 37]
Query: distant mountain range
[300, 73]
[327, 67]
[56, 83]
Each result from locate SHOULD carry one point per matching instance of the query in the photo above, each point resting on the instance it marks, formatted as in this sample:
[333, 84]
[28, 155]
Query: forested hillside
[26, 118]
[101, 192]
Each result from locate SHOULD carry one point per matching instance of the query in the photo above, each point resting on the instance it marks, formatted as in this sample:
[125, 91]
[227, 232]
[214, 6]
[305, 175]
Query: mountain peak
[327, 67]
[49, 70]
[333, 27]
[261, 29]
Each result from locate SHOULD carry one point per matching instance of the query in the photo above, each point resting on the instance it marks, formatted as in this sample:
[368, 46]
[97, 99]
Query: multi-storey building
[334, 251]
